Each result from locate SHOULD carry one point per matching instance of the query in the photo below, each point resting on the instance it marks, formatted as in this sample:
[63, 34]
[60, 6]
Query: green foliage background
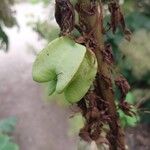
[132, 58]
[7, 19]
[6, 127]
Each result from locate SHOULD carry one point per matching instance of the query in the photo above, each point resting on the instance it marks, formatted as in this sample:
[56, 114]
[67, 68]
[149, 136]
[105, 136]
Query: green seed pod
[67, 67]
[83, 79]
[58, 62]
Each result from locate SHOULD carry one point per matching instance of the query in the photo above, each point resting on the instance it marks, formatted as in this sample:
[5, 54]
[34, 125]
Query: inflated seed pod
[67, 67]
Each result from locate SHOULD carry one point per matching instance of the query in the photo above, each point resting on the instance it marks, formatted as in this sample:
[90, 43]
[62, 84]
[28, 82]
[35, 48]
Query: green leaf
[7, 125]
[6, 144]
[128, 121]
[58, 63]
[4, 139]
[75, 124]
[4, 42]
[130, 98]
[83, 79]
[132, 121]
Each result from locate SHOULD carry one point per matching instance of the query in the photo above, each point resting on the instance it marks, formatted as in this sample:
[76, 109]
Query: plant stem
[94, 26]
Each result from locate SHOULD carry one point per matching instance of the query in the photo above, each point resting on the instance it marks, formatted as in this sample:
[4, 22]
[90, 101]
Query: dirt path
[41, 126]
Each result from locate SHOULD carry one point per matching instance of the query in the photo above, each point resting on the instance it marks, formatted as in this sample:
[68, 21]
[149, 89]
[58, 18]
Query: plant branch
[91, 20]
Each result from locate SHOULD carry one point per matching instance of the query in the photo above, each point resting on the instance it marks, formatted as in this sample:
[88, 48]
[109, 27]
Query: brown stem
[92, 21]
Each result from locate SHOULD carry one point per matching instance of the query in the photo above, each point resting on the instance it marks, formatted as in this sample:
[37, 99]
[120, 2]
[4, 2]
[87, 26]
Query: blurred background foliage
[7, 19]
[132, 58]
[6, 127]
[37, 1]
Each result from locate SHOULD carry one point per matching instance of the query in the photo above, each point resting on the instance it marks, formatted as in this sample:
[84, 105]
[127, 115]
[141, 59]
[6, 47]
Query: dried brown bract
[127, 34]
[87, 10]
[117, 18]
[126, 108]
[92, 114]
[88, 41]
[123, 85]
[84, 134]
[108, 54]
[107, 82]
[82, 105]
[95, 113]
[65, 16]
